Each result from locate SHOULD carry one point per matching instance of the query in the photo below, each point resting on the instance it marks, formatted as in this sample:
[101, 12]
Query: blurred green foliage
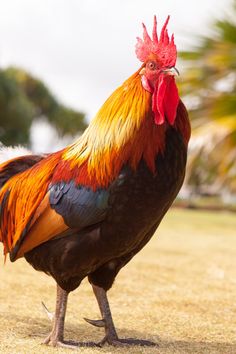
[24, 98]
[209, 89]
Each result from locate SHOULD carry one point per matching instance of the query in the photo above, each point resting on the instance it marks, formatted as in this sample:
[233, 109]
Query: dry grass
[179, 292]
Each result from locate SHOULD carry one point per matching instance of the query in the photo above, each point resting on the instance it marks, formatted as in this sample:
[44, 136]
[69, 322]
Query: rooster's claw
[96, 323]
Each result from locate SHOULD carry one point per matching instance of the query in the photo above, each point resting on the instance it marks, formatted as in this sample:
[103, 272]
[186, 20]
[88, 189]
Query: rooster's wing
[35, 210]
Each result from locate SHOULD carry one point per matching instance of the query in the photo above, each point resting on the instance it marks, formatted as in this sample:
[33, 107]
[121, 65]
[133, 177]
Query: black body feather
[119, 220]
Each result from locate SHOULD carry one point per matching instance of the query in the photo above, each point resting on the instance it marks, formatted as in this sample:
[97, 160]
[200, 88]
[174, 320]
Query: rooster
[87, 210]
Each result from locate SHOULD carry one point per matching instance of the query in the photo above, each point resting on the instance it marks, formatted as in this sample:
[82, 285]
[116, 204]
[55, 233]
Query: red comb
[164, 47]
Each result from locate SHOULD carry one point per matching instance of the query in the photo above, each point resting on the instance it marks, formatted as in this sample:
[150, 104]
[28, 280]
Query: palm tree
[209, 88]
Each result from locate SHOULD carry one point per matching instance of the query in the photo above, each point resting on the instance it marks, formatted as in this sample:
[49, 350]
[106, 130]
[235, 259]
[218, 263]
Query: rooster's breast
[139, 199]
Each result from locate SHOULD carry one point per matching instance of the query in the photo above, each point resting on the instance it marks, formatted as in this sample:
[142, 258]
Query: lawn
[180, 292]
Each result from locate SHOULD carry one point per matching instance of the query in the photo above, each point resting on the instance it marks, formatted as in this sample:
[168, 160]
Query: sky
[84, 49]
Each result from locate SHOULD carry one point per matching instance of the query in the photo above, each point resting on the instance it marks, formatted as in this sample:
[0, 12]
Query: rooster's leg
[111, 336]
[56, 337]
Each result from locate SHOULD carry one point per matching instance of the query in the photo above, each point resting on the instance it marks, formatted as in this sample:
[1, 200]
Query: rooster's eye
[151, 65]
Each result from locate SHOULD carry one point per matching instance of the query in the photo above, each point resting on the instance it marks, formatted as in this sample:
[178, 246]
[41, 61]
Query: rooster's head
[158, 70]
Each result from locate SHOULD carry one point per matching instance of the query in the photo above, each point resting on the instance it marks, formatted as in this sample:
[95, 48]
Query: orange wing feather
[26, 217]
[45, 225]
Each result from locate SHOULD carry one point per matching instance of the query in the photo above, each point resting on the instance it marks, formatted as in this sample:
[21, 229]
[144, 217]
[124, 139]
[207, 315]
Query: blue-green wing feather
[79, 206]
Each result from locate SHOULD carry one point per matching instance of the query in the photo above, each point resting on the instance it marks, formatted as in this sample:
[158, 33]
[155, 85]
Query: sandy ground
[180, 292]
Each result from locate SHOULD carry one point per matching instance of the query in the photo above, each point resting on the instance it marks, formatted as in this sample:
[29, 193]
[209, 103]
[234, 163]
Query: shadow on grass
[39, 328]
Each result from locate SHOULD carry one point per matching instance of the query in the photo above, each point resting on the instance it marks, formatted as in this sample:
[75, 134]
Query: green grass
[180, 291]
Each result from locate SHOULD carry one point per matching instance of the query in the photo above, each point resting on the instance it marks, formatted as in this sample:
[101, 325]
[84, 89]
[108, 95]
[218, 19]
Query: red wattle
[165, 100]
[171, 100]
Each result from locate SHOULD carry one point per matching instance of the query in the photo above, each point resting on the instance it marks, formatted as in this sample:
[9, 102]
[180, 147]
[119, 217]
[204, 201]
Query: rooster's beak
[171, 71]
